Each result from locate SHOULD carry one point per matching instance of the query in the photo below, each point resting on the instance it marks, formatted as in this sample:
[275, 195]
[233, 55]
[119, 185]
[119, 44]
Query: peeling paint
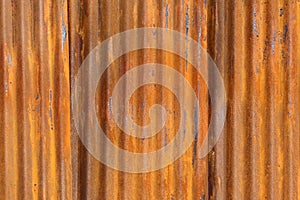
[199, 42]
[187, 21]
[64, 35]
[167, 16]
[9, 61]
[273, 43]
[110, 104]
[255, 26]
[51, 113]
[285, 34]
[50, 96]
[5, 88]
[38, 108]
[165, 140]
[196, 118]
[186, 59]
[186, 33]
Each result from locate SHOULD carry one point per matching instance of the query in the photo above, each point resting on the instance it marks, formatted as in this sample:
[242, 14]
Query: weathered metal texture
[256, 48]
[34, 101]
[94, 21]
[254, 44]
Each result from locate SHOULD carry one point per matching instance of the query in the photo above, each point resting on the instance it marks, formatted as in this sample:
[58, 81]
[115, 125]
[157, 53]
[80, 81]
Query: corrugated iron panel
[94, 21]
[258, 157]
[35, 101]
[254, 44]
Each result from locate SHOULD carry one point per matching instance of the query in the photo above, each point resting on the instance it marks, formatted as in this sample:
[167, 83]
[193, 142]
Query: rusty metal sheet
[35, 101]
[253, 43]
[93, 22]
[258, 157]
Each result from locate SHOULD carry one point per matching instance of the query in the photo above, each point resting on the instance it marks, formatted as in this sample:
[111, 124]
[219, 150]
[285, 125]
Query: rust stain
[255, 45]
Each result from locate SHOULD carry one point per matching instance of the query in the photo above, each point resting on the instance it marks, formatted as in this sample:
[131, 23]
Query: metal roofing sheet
[255, 46]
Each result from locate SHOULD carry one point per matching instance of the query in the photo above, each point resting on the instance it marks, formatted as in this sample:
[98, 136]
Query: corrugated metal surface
[259, 156]
[94, 21]
[35, 101]
[254, 44]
